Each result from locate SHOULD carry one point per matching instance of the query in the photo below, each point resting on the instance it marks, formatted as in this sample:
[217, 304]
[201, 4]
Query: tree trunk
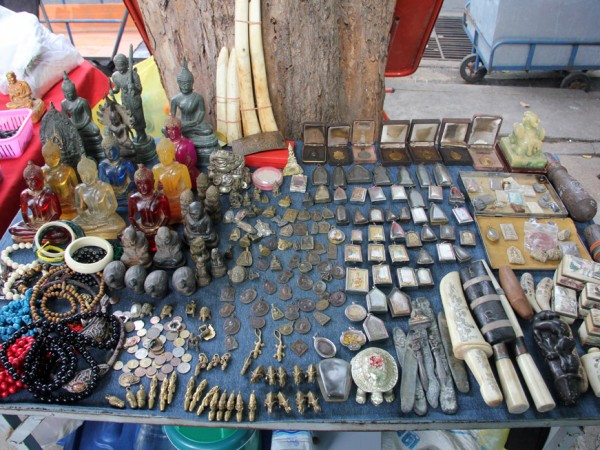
[325, 59]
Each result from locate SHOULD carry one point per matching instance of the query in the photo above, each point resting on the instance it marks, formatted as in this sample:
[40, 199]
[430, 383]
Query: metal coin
[299, 347]
[133, 364]
[286, 328]
[126, 369]
[338, 298]
[160, 360]
[179, 342]
[154, 320]
[153, 333]
[285, 293]
[138, 324]
[285, 276]
[140, 372]
[260, 308]
[172, 335]
[183, 368]
[129, 327]
[232, 325]
[118, 365]
[305, 267]
[257, 322]
[322, 304]
[131, 341]
[145, 363]
[182, 327]
[269, 287]
[305, 282]
[226, 310]
[319, 287]
[178, 319]
[227, 294]
[178, 352]
[292, 312]
[142, 332]
[168, 356]
[187, 357]
[324, 267]
[231, 343]
[313, 258]
[160, 376]
[355, 312]
[302, 326]
[306, 304]
[150, 371]
[338, 272]
[166, 369]
[141, 353]
[128, 379]
[159, 326]
[131, 350]
[294, 261]
[326, 276]
[184, 334]
[162, 338]
[175, 361]
[248, 296]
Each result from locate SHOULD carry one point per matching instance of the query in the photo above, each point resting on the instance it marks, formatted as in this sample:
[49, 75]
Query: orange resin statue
[21, 97]
[96, 203]
[173, 176]
[148, 208]
[60, 178]
[39, 205]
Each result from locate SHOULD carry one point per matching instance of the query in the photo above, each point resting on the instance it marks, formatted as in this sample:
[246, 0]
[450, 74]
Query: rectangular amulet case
[392, 146]
[338, 145]
[452, 143]
[482, 142]
[422, 141]
[363, 142]
[314, 151]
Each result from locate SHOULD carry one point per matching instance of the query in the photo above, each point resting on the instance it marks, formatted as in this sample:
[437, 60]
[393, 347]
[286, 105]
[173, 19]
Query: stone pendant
[405, 178]
[390, 216]
[320, 176]
[423, 176]
[376, 301]
[339, 178]
[322, 195]
[396, 232]
[437, 216]
[341, 216]
[339, 196]
[492, 235]
[359, 218]
[375, 215]
[427, 234]
[514, 255]
[405, 214]
[415, 199]
[424, 258]
[245, 258]
[358, 175]
[442, 175]
[462, 254]
[307, 200]
[381, 177]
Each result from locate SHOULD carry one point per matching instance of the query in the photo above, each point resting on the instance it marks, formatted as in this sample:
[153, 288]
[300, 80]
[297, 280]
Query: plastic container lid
[198, 438]
[266, 177]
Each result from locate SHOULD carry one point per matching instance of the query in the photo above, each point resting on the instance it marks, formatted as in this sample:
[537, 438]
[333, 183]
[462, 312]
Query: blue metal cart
[524, 36]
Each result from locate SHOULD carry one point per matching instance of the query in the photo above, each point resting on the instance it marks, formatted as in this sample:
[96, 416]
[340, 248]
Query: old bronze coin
[299, 347]
[276, 312]
[257, 322]
[322, 304]
[319, 287]
[302, 326]
[285, 293]
[226, 310]
[338, 272]
[292, 312]
[305, 282]
[337, 298]
[232, 325]
[248, 296]
[260, 308]
[269, 287]
[286, 328]
[306, 304]
[228, 294]
[305, 267]
[285, 276]
[324, 267]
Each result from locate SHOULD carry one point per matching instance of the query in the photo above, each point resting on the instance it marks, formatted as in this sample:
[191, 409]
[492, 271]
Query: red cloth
[91, 84]
[136, 14]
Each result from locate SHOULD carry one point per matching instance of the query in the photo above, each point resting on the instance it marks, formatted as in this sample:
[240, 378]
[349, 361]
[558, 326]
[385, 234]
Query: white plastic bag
[33, 53]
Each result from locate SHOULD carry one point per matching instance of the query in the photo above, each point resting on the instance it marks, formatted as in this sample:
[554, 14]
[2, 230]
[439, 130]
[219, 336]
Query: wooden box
[363, 142]
[452, 142]
[338, 145]
[314, 151]
[482, 142]
[422, 141]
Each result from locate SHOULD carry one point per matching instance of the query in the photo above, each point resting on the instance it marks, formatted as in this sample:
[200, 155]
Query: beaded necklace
[14, 315]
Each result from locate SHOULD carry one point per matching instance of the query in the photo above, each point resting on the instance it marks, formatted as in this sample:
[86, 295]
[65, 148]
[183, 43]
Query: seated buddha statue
[116, 171]
[197, 223]
[60, 178]
[191, 105]
[96, 203]
[148, 208]
[39, 205]
[185, 153]
[21, 96]
[173, 176]
[79, 112]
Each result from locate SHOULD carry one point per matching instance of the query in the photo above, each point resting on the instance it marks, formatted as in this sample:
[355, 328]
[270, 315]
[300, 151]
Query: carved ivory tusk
[234, 123]
[221, 93]
[247, 109]
[467, 342]
[259, 73]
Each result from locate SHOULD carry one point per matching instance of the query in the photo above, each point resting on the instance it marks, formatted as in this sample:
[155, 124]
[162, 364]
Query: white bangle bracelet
[88, 241]
[44, 229]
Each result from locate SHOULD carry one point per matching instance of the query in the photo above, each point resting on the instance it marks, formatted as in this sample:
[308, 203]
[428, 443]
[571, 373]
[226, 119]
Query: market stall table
[348, 415]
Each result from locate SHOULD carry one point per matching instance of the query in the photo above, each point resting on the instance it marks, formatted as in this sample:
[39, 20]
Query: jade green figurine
[523, 148]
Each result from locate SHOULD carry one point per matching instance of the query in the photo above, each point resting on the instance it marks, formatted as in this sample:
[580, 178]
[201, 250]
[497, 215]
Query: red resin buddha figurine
[39, 205]
[185, 152]
[148, 208]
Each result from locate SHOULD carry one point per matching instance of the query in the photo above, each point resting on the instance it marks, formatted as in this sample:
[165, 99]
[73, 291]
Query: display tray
[496, 251]
[510, 194]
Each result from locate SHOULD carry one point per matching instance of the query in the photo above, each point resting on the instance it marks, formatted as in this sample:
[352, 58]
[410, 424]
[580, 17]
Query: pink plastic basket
[14, 146]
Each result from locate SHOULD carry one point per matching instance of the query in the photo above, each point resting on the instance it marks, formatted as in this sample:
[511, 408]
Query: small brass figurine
[284, 402]
[172, 387]
[225, 360]
[313, 401]
[190, 308]
[281, 376]
[222, 406]
[257, 374]
[297, 374]
[230, 407]
[258, 344]
[141, 396]
[167, 311]
[300, 402]
[187, 398]
[270, 401]
[214, 404]
[213, 392]
[252, 407]
[152, 393]
[197, 395]
[239, 407]
[279, 347]
[247, 364]
[115, 401]
[130, 397]
[163, 395]
[214, 362]
[205, 314]
[311, 373]
[21, 96]
[271, 376]
[202, 363]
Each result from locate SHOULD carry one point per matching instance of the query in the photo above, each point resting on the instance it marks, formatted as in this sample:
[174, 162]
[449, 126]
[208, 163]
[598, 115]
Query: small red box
[273, 158]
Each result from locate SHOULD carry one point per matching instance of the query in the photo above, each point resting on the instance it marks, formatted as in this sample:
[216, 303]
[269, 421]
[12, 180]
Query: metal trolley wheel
[576, 81]
[469, 72]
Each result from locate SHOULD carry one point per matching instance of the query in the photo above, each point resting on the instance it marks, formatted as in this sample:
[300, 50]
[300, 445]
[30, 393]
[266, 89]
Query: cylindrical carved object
[514, 292]
[592, 239]
[581, 205]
